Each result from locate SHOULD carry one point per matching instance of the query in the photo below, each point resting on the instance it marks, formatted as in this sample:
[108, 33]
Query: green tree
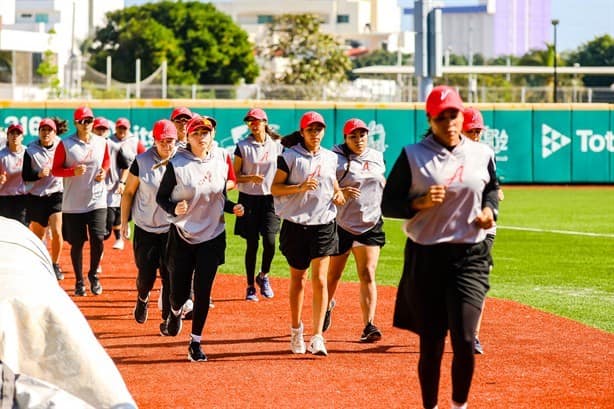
[200, 44]
[598, 53]
[312, 57]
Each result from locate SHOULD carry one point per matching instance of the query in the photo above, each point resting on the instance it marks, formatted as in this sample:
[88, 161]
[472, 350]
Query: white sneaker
[187, 308]
[316, 345]
[119, 244]
[297, 344]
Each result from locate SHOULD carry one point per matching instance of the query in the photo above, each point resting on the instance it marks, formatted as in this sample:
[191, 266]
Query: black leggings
[462, 327]
[149, 249]
[76, 256]
[199, 261]
[268, 252]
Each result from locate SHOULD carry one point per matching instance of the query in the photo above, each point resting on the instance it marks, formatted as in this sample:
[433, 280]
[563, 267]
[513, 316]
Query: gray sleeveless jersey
[464, 172]
[315, 206]
[258, 159]
[12, 163]
[41, 158]
[201, 182]
[145, 211]
[128, 147]
[83, 193]
[365, 172]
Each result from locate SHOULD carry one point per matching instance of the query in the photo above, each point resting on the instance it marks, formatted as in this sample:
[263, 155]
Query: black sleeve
[238, 152]
[28, 174]
[122, 160]
[167, 184]
[134, 168]
[282, 165]
[228, 204]
[395, 200]
[490, 196]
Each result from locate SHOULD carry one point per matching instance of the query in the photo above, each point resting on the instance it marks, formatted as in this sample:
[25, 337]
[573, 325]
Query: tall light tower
[554, 22]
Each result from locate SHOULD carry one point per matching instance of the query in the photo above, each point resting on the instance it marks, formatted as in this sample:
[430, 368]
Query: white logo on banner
[552, 141]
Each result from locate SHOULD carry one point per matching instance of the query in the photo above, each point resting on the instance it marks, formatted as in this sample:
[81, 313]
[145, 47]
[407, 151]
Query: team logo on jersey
[552, 141]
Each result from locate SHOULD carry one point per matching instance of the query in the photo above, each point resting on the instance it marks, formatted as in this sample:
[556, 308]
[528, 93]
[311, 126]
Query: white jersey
[465, 172]
[83, 193]
[366, 172]
[145, 211]
[313, 207]
[258, 159]
[40, 158]
[11, 163]
[202, 183]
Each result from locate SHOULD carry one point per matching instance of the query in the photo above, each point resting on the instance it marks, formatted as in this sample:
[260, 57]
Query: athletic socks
[196, 338]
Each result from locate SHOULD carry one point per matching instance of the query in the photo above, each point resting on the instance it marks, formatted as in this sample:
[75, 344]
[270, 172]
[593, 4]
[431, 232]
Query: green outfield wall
[533, 143]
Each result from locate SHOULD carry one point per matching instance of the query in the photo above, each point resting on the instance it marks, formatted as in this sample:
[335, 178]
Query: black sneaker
[80, 289]
[370, 334]
[189, 315]
[58, 272]
[173, 324]
[195, 354]
[140, 311]
[95, 286]
[477, 347]
[327, 316]
[163, 330]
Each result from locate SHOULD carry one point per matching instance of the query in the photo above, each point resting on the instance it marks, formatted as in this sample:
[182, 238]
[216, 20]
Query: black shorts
[14, 207]
[374, 237]
[113, 220]
[40, 208]
[436, 280]
[77, 226]
[149, 249]
[300, 243]
[259, 217]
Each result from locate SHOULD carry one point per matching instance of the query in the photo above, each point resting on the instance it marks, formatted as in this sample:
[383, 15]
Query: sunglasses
[181, 120]
[250, 121]
[85, 121]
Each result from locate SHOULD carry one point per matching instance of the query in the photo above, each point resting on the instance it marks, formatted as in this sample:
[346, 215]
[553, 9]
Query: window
[41, 18]
[343, 18]
[265, 19]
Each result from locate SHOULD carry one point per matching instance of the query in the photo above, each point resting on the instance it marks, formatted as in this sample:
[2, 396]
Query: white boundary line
[573, 233]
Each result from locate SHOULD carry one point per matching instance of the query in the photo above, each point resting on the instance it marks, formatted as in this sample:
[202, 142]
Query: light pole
[554, 22]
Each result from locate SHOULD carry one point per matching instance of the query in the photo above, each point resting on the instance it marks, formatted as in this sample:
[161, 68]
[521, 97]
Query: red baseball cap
[48, 122]
[312, 117]
[181, 111]
[101, 122]
[441, 98]
[353, 124]
[198, 122]
[256, 113]
[164, 129]
[122, 122]
[83, 112]
[15, 127]
[473, 119]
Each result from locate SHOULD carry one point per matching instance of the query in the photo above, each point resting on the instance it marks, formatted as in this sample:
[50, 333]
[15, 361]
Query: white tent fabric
[43, 334]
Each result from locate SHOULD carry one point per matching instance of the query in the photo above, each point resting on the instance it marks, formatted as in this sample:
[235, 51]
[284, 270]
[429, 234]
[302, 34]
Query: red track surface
[533, 359]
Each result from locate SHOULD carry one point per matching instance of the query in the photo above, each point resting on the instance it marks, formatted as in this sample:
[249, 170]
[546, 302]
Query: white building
[24, 36]
[373, 23]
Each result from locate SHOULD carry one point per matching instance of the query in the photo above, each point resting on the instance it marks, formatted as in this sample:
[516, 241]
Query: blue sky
[580, 20]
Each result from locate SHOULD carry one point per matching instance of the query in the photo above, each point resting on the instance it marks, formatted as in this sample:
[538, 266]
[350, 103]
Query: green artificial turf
[554, 251]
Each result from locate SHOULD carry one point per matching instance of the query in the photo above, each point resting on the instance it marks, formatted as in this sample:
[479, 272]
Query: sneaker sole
[329, 312]
[195, 360]
[373, 337]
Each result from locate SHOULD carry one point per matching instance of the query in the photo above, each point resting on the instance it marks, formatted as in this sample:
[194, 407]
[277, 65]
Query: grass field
[554, 251]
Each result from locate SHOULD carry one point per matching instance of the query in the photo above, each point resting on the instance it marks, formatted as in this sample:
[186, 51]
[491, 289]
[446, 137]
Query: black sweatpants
[199, 261]
[149, 256]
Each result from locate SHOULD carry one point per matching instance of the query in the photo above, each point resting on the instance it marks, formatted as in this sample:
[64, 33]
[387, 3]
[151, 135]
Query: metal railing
[344, 92]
